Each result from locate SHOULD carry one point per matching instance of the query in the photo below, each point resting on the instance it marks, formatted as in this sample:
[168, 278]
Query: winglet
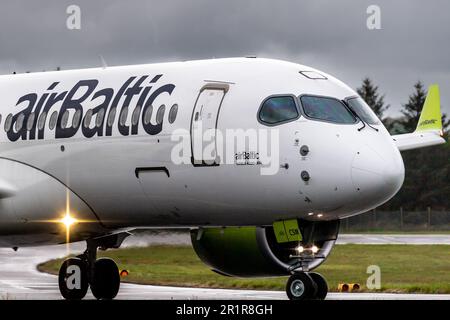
[430, 117]
[429, 128]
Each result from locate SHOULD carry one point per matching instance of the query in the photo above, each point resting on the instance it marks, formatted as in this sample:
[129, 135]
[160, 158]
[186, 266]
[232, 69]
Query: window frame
[53, 120]
[159, 118]
[356, 97]
[147, 115]
[18, 125]
[8, 122]
[297, 106]
[42, 121]
[65, 120]
[111, 118]
[135, 115]
[100, 117]
[173, 112]
[78, 115]
[123, 116]
[87, 116]
[30, 121]
[323, 120]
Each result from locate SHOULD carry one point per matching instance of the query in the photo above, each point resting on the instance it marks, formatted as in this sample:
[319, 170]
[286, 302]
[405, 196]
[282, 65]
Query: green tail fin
[430, 117]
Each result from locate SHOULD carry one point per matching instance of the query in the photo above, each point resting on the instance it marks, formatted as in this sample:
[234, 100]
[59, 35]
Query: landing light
[301, 249]
[68, 220]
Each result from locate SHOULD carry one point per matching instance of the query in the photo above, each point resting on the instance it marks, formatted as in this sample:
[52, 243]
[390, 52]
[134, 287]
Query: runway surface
[417, 239]
[19, 278]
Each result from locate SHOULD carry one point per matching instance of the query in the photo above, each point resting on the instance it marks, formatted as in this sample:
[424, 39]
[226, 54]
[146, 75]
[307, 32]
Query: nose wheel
[322, 286]
[306, 286]
[77, 274]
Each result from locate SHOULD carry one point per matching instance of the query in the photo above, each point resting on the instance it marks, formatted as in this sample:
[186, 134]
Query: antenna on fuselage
[104, 65]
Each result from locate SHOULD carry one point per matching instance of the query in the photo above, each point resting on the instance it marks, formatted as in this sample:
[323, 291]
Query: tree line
[427, 170]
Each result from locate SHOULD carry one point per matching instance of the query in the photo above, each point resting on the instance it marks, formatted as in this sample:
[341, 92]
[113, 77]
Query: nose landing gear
[76, 275]
[306, 286]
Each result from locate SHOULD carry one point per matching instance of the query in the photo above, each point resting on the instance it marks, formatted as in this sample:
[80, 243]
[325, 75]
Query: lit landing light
[300, 249]
[319, 215]
[68, 220]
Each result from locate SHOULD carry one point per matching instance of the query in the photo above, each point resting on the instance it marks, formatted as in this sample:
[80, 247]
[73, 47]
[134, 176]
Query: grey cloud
[329, 35]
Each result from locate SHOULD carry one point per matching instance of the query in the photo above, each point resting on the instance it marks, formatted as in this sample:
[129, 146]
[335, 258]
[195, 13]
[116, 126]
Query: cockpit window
[278, 109]
[326, 109]
[360, 107]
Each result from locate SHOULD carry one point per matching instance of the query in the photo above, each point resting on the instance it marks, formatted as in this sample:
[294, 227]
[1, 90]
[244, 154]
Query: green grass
[404, 268]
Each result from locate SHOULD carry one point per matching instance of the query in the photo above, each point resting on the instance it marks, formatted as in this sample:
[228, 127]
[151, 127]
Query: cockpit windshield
[276, 110]
[326, 109]
[360, 107]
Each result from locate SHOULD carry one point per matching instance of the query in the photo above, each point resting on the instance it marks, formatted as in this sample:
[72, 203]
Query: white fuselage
[122, 176]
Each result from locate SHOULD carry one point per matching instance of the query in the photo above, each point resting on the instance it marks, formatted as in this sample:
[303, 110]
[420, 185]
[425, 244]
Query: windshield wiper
[372, 127]
[358, 117]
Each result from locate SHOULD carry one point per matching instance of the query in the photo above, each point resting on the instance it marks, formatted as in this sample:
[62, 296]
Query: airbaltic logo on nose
[30, 122]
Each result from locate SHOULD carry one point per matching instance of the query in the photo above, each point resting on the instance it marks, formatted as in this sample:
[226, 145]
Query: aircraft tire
[73, 279]
[106, 280]
[321, 283]
[300, 286]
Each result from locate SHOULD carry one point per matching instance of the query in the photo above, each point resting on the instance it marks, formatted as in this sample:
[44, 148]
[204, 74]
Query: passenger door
[204, 120]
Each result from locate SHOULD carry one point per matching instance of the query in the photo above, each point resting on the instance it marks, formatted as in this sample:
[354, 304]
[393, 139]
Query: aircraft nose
[377, 178]
[394, 173]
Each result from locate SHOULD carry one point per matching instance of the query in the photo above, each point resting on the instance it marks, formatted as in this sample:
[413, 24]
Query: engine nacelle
[255, 252]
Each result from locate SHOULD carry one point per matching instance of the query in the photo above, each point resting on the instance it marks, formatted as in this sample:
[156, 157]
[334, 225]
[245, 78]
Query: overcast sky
[413, 44]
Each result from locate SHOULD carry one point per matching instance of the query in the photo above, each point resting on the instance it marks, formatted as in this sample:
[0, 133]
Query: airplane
[259, 158]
